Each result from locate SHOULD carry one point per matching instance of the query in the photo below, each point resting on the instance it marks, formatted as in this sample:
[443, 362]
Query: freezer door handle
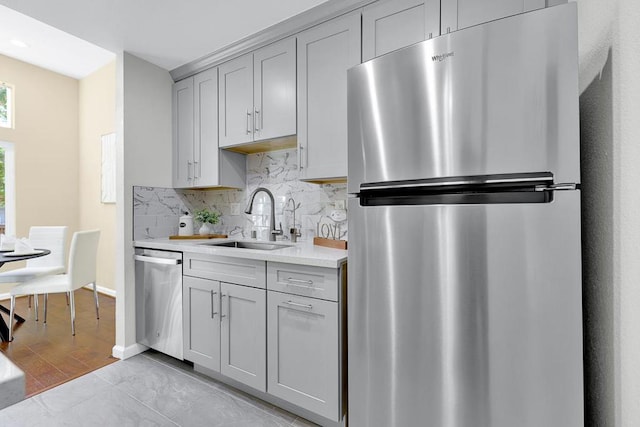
[523, 179]
[157, 260]
[556, 187]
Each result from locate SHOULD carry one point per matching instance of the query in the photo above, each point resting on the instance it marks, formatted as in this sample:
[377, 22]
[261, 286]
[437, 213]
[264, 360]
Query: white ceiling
[165, 33]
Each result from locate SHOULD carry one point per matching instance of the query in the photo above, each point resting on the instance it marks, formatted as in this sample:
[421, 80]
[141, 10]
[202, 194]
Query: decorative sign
[109, 168]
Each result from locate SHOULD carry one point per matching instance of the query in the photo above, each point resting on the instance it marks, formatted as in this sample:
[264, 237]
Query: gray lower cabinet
[303, 352]
[201, 321]
[225, 323]
[279, 329]
[325, 53]
[459, 14]
[243, 342]
[388, 25]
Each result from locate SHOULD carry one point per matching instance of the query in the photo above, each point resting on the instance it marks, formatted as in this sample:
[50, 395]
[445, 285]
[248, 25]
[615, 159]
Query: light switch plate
[235, 208]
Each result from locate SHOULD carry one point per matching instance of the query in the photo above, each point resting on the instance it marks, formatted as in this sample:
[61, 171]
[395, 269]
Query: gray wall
[596, 129]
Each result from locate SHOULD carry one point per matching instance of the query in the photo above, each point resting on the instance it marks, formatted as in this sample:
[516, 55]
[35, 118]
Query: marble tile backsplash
[156, 210]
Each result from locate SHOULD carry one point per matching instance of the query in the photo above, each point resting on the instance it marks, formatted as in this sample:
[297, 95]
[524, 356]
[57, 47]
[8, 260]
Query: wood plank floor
[48, 353]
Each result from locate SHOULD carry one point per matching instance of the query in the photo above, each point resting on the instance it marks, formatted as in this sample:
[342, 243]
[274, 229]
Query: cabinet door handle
[248, 122]
[195, 169]
[306, 282]
[224, 315]
[300, 161]
[258, 125]
[189, 167]
[295, 304]
[213, 313]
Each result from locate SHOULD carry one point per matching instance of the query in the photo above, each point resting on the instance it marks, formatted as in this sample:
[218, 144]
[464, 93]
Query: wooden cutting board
[198, 236]
[330, 243]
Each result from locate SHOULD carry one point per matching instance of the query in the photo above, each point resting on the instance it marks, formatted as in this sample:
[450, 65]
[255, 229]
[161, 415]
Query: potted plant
[206, 217]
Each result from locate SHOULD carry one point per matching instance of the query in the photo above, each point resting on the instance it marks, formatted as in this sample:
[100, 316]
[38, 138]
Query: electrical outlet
[339, 204]
[235, 208]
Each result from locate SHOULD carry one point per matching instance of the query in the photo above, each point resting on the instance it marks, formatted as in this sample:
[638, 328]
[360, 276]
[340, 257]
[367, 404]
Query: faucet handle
[278, 232]
[295, 233]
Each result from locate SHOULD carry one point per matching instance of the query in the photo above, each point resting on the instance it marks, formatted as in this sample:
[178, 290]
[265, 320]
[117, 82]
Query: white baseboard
[102, 290]
[120, 352]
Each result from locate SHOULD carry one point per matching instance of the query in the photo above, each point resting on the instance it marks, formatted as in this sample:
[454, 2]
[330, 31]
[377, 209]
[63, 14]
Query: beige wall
[97, 107]
[46, 146]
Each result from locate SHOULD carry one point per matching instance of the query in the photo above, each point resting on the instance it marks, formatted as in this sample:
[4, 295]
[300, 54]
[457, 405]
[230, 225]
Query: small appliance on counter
[185, 227]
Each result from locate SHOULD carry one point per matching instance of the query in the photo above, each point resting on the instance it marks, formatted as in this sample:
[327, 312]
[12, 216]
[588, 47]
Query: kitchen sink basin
[263, 246]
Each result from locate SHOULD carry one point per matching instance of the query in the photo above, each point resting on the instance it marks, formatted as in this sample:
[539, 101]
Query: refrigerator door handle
[556, 187]
[522, 179]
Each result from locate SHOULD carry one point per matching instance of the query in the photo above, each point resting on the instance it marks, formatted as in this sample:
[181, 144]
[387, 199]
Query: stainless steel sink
[263, 246]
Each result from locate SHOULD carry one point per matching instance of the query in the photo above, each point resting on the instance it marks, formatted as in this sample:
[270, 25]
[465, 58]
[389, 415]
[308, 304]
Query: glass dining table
[13, 257]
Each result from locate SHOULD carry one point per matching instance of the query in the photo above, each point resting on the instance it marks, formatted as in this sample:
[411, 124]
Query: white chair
[81, 272]
[52, 238]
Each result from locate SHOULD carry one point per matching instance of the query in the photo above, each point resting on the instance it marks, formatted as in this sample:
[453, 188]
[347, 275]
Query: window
[7, 188]
[6, 105]
[2, 194]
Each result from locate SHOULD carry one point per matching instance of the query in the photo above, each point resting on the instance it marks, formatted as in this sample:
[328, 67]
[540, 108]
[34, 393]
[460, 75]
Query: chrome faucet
[293, 231]
[272, 219]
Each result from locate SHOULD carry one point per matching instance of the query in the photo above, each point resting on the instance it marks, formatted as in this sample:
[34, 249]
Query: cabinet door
[389, 25]
[325, 52]
[303, 352]
[459, 14]
[236, 101]
[243, 345]
[205, 162]
[274, 77]
[182, 111]
[201, 321]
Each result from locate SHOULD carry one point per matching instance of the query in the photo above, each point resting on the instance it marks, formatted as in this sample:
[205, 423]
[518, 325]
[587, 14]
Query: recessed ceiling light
[18, 43]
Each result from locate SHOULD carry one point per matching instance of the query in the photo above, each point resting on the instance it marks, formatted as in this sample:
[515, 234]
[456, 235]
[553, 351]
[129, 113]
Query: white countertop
[304, 253]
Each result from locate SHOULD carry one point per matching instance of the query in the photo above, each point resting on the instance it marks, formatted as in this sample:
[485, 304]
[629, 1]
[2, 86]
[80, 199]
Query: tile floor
[149, 389]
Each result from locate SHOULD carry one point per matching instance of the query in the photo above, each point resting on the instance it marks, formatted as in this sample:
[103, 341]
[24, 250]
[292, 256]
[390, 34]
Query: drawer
[315, 282]
[241, 271]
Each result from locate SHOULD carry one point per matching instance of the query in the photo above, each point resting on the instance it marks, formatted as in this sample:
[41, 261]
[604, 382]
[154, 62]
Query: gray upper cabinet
[274, 77]
[236, 101]
[388, 25]
[196, 160]
[459, 14]
[257, 95]
[183, 133]
[325, 53]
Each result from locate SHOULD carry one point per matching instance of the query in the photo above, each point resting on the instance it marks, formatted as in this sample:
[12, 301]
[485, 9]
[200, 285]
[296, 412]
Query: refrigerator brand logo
[440, 58]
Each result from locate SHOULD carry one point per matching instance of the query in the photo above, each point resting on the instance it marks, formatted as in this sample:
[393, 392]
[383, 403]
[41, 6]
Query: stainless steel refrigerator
[464, 295]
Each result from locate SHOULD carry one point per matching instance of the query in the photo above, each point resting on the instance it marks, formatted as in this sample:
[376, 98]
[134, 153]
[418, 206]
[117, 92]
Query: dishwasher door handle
[157, 260]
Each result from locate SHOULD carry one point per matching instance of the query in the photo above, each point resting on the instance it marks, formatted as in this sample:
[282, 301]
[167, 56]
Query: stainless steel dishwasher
[159, 300]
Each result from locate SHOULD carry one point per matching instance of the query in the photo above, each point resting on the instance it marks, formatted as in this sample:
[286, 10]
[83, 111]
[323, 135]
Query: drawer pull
[302, 286]
[292, 280]
[295, 304]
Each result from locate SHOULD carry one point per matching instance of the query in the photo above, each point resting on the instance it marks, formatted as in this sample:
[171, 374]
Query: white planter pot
[204, 229]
